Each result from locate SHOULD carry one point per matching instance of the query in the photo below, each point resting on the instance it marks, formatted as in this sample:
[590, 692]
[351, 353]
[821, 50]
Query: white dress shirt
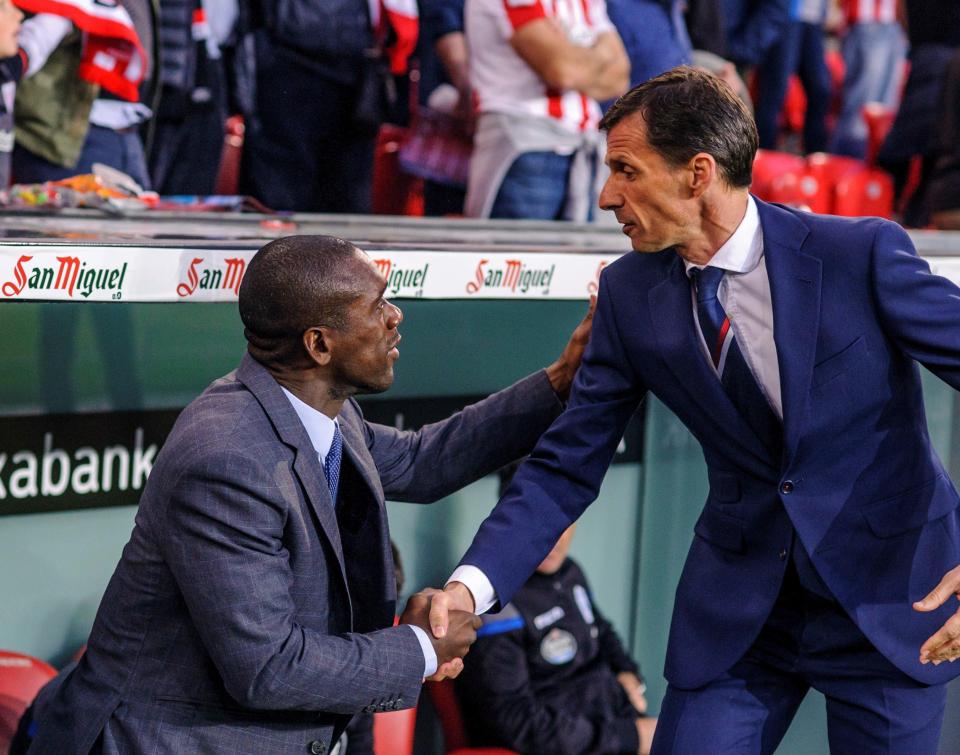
[320, 429]
[745, 296]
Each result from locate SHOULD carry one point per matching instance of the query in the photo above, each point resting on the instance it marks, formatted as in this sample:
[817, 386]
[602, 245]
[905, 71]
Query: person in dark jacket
[188, 128]
[548, 673]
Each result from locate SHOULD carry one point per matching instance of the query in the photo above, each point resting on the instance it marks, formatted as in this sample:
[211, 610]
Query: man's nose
[608, 199]
[397, 316]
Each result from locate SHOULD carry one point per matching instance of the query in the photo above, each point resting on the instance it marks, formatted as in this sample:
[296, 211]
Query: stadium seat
[21, 677]
[768, 165]
[879, 119]
[444, 700]
[393, 732]
[869, 192]
[819, 182]
[785, 189]
[394, 191]
[228, 175]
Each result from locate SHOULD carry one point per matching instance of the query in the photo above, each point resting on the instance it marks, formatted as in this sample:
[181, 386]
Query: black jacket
[541, 677]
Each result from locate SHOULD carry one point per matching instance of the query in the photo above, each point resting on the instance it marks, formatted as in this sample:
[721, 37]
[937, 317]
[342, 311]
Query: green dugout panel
[91, 385]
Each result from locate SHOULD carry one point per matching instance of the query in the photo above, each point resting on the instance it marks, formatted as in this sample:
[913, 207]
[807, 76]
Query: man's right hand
[454, 597]
[452, 633]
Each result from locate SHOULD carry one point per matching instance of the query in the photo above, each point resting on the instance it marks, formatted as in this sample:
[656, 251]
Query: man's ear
[703, 172]
[316, 342]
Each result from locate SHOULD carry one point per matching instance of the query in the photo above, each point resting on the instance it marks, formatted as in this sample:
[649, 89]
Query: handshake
[448, 619]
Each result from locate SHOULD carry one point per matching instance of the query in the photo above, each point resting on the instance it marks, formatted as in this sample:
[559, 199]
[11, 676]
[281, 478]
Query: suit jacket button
[317, 747]
[783, 554]
[786, 487]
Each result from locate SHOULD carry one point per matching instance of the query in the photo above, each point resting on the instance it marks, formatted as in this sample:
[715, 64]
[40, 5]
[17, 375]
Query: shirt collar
[742, 251]
[318, 425]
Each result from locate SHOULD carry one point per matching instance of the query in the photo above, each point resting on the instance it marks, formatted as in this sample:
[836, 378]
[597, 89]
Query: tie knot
[707, 282]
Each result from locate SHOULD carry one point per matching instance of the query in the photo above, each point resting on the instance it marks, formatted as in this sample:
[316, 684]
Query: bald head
[293, 284]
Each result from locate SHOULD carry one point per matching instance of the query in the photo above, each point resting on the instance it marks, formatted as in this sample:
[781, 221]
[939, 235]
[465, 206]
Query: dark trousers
[185, 155]
[122, 150]
[808, 641]
[301, 150]
[800, 51]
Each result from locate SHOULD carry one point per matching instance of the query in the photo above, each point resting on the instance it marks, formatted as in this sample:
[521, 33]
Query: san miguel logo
[70, 275]
[225, 277]
[406, 281]
[513, 276]
[593, 286]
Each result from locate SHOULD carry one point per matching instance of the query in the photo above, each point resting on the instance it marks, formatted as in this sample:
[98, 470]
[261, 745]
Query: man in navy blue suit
[788, 344]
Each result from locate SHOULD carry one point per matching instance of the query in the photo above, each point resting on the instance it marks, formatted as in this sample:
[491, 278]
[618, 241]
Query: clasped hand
[458, 633]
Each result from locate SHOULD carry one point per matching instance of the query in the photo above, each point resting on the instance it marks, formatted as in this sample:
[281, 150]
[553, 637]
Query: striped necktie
[735, 375]
[331, 464]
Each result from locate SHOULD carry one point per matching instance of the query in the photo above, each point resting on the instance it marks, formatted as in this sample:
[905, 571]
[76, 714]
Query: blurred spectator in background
[189, 123]
[315, 82]
[538, 68]
[654, 34]
[706, 26]
[944, 191]
[548, 673]
[800, 50]
[23, 49]
[439, 148]
[874, 49]
[752, 28]
[88, 101]
[933, 30]
[11, 69]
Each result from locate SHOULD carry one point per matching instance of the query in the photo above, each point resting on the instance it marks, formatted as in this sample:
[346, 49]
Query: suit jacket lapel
[355, 448]
[377, 587]
[306, 464]
[795, 290]
[671, 310]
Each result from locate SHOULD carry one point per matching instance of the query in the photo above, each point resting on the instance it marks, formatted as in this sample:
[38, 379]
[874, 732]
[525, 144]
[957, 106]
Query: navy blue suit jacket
[855, 310]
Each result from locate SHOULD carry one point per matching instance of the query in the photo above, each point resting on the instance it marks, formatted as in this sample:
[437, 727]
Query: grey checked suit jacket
[246, 613]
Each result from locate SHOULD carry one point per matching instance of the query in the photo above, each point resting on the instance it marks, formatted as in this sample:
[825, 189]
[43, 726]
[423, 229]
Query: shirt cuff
[429, 654]
[479, 586]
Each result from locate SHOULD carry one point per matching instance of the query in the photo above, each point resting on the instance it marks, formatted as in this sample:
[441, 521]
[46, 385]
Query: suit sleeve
[224, 543]
[497, 696]
[563, 474]
[919, 310]
[440, 458]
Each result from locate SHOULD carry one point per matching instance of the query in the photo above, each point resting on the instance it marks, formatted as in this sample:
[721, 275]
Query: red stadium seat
[228, 175]
[785, 189]
[879, 120]
[21, 677]
[394, 192]
[768, 165]
[393, 732]
[444, 699]
[819, 182]
[869, 192]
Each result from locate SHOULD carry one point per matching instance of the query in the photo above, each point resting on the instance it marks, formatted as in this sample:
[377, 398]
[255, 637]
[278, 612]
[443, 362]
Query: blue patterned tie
[331, 465]
[735, 375]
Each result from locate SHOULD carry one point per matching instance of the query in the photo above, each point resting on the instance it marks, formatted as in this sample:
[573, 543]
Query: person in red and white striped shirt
[874, 49]
[538, 68]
